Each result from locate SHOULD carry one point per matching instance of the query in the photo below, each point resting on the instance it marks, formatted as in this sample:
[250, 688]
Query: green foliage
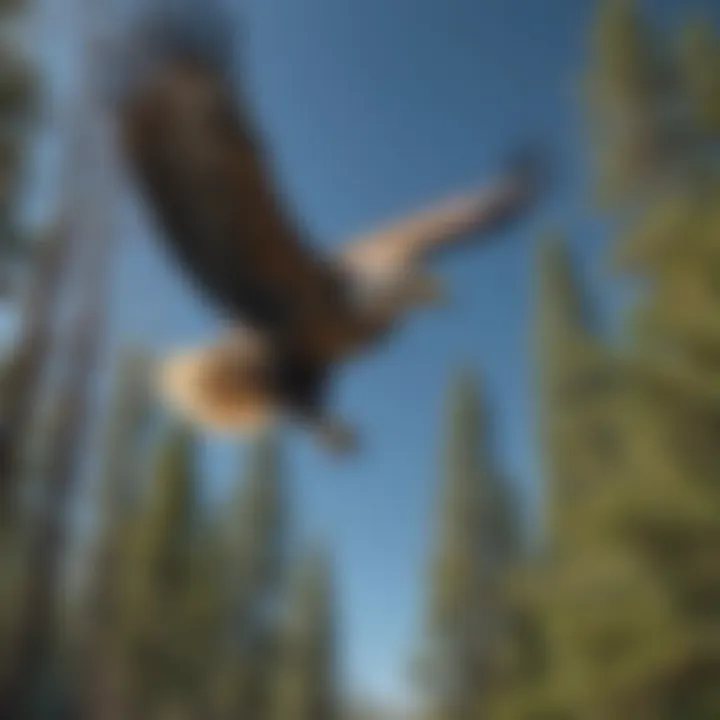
[616, 616]
[700, 66]
[622, 615]
[256, 531]
[477, 543]
[253, 561]
[305, 687]
[187, 606]
[165, 612]
[631, 107]
[119, 498]
[580, 388]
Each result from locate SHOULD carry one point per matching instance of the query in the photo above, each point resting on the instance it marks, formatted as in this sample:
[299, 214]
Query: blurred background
[531, 528]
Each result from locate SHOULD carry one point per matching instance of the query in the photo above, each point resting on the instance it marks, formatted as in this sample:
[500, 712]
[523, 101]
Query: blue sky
[372, 108]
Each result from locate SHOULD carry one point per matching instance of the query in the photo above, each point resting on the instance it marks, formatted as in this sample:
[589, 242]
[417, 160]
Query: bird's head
[220, 389]
[232, 389]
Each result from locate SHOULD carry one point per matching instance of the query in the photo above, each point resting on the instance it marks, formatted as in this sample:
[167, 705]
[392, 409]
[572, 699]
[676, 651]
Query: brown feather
[204, 173]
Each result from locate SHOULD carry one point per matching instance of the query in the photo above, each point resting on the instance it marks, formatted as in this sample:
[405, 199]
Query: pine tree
[22, 373]
[121, 473]
[626, 601]
[700, 68]
[253, 562]
[636, 138]
[19, 372]
[306, 684]
[61, 441]
[573, 649]
[476, 546]
[673, 505]
[581, 388]
[166, 620]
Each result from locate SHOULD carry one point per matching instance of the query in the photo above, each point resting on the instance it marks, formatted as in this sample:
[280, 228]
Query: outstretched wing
[431, 231]
[202, 170]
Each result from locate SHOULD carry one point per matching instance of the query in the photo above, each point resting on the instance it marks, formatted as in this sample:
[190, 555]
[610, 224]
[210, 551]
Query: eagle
[294, 315]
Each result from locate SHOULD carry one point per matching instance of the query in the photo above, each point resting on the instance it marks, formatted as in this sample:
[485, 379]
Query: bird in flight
[295, 316]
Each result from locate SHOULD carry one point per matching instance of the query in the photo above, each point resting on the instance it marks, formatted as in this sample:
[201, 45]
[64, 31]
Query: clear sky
[372, 108]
